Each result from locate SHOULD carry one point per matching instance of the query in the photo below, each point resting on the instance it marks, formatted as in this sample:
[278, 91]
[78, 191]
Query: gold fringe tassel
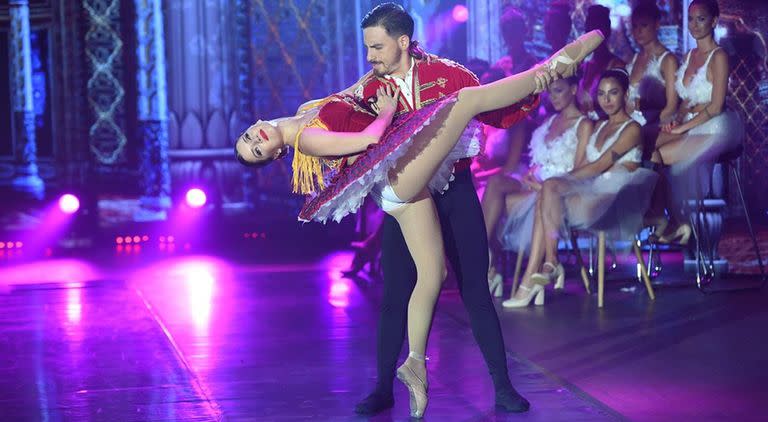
[307, 170]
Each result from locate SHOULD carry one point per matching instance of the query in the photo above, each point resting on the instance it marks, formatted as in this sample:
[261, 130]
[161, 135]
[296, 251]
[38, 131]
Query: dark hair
[619, 74]
[243, 161]
[512, 18]
[494, 73]
[397, 22]
[598, 17]
[392, 17]
[647, 9]
[559, 15]
[573, 79]
[711, 5]
[512, 24]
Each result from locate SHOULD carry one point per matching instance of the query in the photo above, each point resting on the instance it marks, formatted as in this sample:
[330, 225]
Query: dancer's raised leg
[415, 169]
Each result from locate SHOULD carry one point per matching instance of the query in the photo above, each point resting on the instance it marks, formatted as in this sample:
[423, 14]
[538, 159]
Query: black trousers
[466, 247]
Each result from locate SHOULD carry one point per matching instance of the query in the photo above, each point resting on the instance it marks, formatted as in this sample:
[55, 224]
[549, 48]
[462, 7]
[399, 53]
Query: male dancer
[423, 79]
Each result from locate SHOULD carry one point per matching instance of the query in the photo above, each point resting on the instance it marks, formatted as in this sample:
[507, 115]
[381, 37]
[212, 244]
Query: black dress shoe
[376, 402]
[511, 401]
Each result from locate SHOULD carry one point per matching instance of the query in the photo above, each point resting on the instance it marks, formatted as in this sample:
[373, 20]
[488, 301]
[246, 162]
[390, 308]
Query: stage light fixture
[69, 203]
[460, 13]
[196, 198]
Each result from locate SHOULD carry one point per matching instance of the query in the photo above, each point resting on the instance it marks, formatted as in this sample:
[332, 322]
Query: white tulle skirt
[690, 178]
[614, 202]
[705, 142]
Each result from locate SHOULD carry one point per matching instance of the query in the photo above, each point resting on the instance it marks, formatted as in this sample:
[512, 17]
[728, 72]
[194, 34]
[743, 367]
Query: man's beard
[386, 70]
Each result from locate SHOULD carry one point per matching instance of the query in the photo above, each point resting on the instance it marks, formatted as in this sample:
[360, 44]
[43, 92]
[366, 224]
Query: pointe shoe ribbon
[569, 61]
[417, 387]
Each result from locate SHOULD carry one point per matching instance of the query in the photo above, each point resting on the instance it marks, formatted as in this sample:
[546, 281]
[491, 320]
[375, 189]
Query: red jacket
[435, 78]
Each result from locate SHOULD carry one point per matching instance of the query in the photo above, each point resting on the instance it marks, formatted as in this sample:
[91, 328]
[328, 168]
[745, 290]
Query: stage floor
[208, 338]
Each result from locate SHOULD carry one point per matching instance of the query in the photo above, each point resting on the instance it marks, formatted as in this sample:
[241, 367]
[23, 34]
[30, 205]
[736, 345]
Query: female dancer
[610, 165]
[397, 164]
[652, 70]
[552, 152]
[704, 127]
[598, 17]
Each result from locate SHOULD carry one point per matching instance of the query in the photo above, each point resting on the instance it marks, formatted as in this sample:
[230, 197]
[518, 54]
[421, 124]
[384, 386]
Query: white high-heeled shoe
[536, 292]
[557, 274]
[496, 285]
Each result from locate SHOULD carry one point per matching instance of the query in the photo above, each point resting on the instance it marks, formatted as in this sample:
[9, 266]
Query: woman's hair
[558, 21]
[242, 160]
[493, 74]
[619, 74]
[258, 164]
[598, 17]
[711, 5]
[647, 9]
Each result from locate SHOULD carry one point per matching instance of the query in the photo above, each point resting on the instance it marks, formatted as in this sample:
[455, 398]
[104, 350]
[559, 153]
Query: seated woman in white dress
[704, 128]
[582, 197]
[552, 152]
[652, 98]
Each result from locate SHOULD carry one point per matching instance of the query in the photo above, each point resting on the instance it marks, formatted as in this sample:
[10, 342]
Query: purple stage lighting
[196, 198]
[460, 13]
[69, 203]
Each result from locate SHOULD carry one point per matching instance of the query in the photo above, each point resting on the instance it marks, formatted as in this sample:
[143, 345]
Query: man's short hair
[392, 17]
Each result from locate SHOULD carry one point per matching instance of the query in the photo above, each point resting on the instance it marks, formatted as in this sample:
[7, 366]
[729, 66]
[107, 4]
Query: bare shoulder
[586, 124]
[632, 129]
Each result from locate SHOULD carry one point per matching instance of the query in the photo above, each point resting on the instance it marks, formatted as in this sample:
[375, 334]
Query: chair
[705, 242]
[612, 220]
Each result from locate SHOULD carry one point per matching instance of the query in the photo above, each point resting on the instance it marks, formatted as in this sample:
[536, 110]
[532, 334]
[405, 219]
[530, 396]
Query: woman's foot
[495, 283]
[550, 272]
[526, 293]
[566, 61]
[413, 373]
[680, 236]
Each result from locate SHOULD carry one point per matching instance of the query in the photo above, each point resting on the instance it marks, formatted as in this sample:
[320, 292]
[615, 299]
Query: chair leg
[580, 261]
[600, 267]
[643, 269]
[749, 223]
[518, 267]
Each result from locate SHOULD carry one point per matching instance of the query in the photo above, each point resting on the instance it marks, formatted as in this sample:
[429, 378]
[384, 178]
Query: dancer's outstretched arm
[319, 142]
[629, 139]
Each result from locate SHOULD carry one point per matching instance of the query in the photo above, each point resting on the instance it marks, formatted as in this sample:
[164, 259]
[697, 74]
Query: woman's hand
[531, 181]
[386, 101]
[673, 128]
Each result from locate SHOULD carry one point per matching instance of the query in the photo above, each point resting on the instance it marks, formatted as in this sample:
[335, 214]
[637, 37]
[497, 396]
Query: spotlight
[69, 203]
[196, 198]
[460, 13]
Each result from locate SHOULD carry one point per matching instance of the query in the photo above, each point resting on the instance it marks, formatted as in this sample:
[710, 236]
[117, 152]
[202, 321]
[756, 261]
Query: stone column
[246, 105]
[27, 179]
[152, 107]
[484, 39]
